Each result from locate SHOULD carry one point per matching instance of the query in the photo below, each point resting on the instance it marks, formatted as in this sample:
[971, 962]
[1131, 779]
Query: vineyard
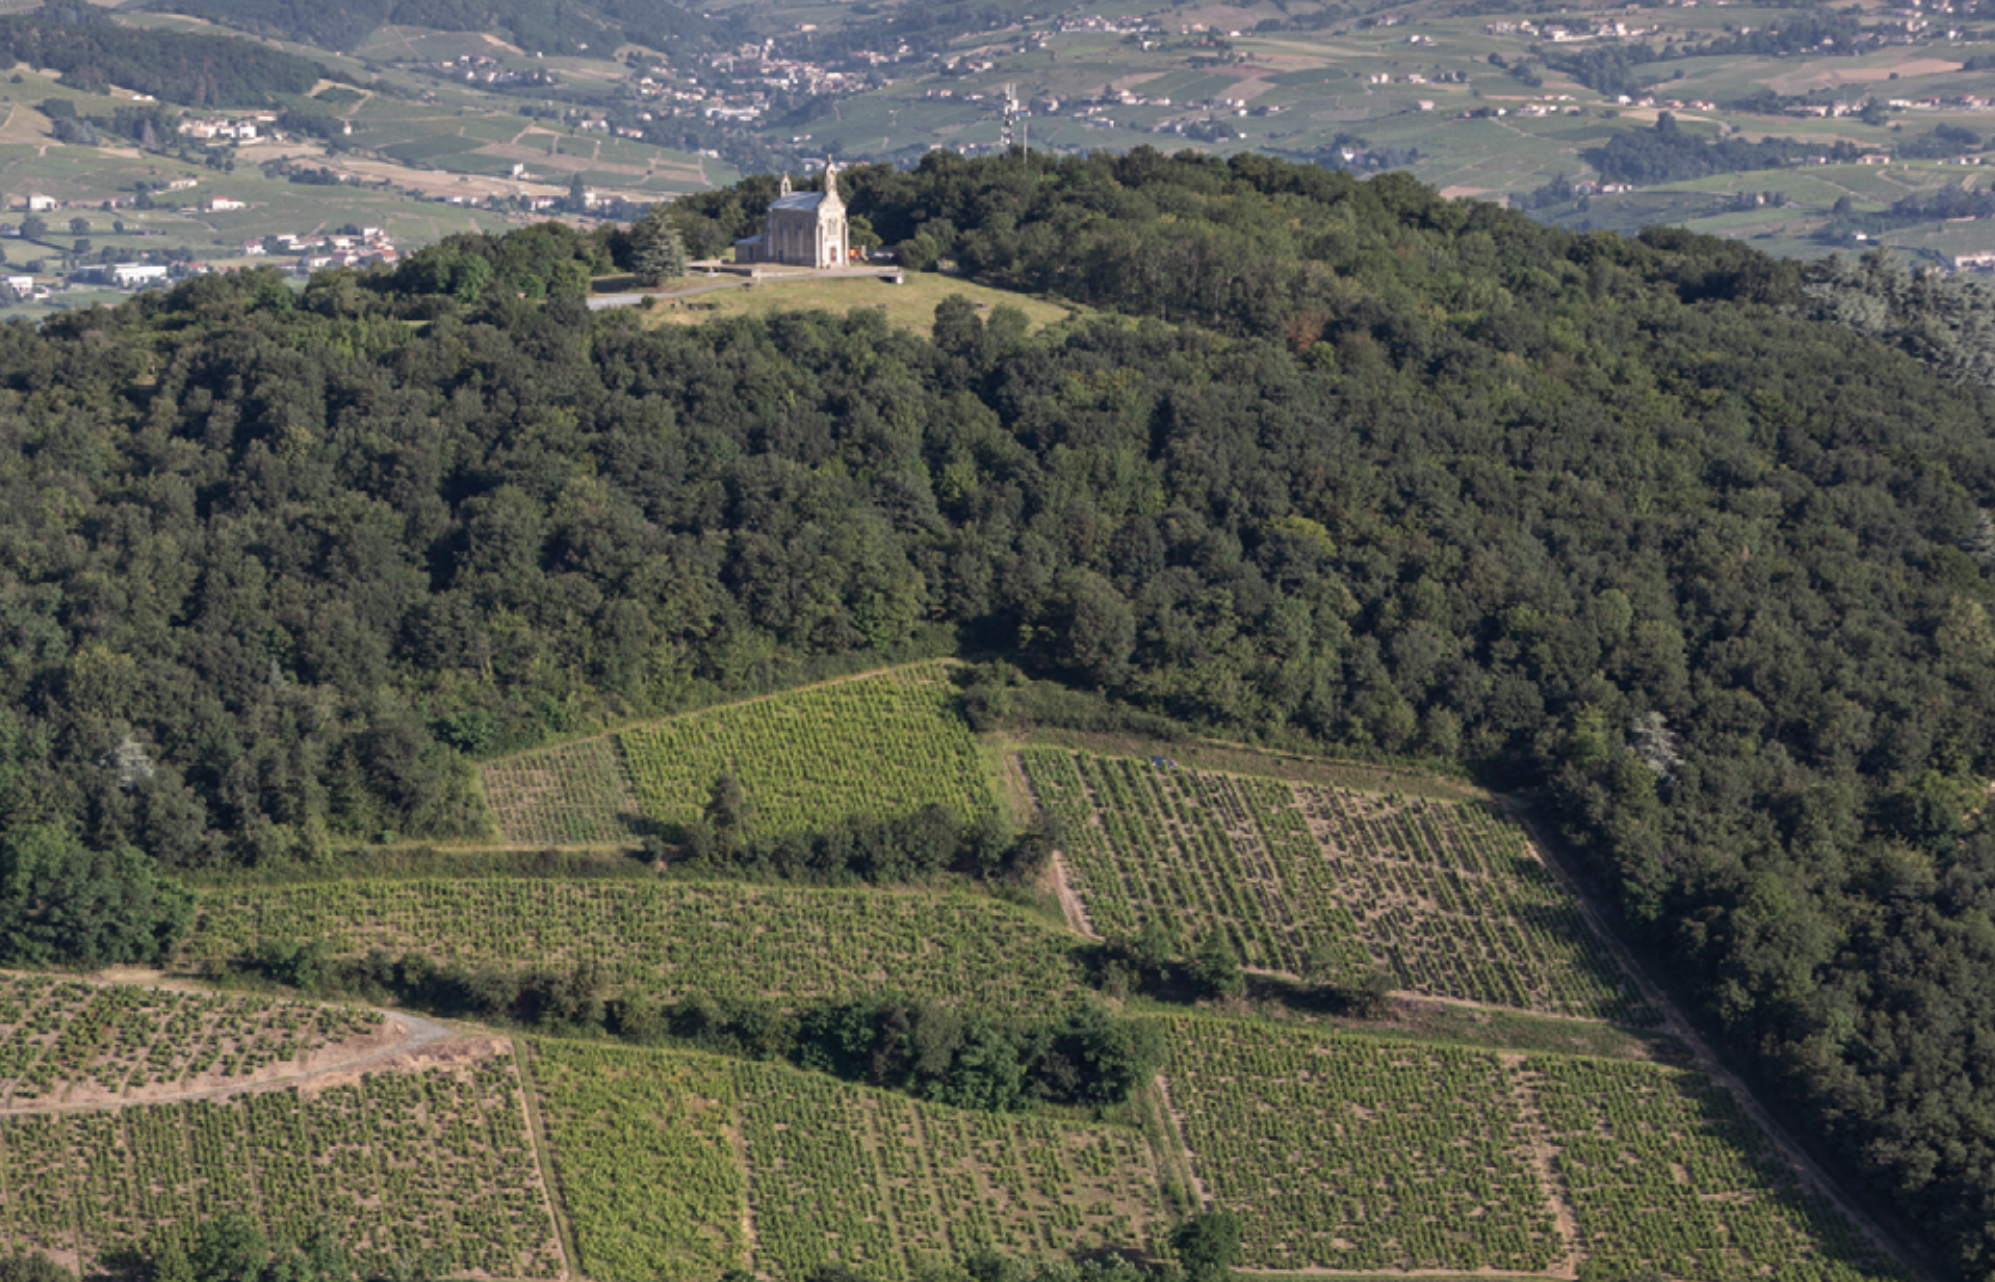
[576, 794]
[882, 745]
[644, 1157]
[405, 1166]
[1449, 899]
[672, 1165]
[68, 1042]
[1350, 1154]
[1665, 1175]
[726, 939]
[1354, 1153]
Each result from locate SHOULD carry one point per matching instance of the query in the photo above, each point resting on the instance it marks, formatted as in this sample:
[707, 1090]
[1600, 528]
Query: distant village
[349, 247]
[745, 88]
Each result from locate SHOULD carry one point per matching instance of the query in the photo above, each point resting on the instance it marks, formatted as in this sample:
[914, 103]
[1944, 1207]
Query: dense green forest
[1667, 154]
[1618, 521]
[197, 70]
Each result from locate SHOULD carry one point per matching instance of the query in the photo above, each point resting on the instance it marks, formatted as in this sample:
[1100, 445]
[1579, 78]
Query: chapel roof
[801, 200]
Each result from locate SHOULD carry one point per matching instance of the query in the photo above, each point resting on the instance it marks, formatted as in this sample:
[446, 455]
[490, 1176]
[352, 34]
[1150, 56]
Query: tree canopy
[196, 70]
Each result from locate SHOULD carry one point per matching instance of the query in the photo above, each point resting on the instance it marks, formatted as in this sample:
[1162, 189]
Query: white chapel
[802, 229]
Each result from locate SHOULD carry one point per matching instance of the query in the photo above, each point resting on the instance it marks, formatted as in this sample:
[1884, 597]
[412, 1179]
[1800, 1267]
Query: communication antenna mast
[1010, 117]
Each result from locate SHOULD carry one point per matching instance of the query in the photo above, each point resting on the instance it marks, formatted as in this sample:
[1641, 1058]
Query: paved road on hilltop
[603, 302]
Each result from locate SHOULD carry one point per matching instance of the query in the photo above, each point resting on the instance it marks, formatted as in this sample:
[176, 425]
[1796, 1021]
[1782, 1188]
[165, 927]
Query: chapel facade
[802, 229]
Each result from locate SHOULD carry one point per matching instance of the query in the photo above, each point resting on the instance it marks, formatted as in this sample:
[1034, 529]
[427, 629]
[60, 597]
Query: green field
[883, 745]
[669, 1162]
[670, 938]
[1447, 897]
[1351, 1151]
[1357, 1152]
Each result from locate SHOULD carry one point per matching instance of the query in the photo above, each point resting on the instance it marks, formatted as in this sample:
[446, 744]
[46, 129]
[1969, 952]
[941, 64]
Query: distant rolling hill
[531, 24]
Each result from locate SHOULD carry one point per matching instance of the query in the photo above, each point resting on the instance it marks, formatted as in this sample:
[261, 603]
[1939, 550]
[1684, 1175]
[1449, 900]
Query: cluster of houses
[37, 203]
[1832, 110]
[793, 74]
[358, 248]
[1418, 78]
[478, 69]
[248, 127]
[1957, 102]
[124, 275]
[1559, 34]
[316, 251]
[754, 71]
[1670, 104]
[1096, 25]
[744, 78]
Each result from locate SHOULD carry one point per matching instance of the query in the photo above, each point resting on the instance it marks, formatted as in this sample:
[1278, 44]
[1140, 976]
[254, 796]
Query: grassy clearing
[909, 306]
[1244, 759]
[401, 44]
[1517, 1030]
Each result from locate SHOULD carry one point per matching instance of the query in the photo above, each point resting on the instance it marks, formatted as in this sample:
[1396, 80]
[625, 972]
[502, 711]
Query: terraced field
[574, 794]
[1344, 1152]
[1665, 1175]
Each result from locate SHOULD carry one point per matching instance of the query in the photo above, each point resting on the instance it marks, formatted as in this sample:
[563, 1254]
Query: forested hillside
[1603, 518]
[198, 70]
[533, 26]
